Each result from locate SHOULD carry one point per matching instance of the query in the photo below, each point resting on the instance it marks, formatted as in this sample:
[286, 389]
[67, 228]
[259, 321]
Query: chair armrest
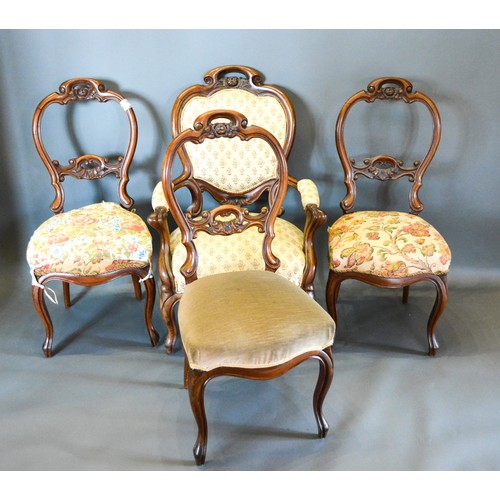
[315, 218]
[158, 197]
[309, 194]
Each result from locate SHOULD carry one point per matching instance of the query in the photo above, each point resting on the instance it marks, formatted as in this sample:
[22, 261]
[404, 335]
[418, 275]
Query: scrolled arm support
[315, 218]
[159, 221]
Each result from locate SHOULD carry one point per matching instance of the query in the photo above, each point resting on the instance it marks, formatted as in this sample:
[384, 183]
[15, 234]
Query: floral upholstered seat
[95, 239]
[386, 244]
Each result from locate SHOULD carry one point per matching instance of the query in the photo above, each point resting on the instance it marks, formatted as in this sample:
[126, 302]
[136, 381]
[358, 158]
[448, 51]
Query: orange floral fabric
[386, 244]
[91, 240]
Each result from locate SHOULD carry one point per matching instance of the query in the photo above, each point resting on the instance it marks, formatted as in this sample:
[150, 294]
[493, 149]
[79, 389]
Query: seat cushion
[242, 252]
[94, 239]
[250, 319]
[386, 244]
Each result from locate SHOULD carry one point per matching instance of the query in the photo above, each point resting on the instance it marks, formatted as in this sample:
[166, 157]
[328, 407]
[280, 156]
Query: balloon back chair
[219, 167]
[381, 248]
[96, 243]
[252, 324]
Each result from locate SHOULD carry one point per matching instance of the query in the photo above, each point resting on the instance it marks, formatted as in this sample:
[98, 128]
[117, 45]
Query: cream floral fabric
[308, 192]
[91, 240]
[386, 244]
[242, 252]
[231, 164]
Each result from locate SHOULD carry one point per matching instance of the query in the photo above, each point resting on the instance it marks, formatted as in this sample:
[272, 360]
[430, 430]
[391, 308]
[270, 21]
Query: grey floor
[108, 401]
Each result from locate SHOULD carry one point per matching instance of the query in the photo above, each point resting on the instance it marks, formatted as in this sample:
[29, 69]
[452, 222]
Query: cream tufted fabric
[387, 244]
[255, 319]
[94, 239]
[264, 111]
[242, 251]
[158, 197]
[308, 192]
[234, 165]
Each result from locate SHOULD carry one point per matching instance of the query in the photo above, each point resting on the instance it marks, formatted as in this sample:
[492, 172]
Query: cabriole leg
[441, 283]
[196, 387]
[39, 301]
[322, 386]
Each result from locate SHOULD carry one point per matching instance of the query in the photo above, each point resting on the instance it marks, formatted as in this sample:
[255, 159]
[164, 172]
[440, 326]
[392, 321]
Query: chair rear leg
[406, 294]
[41, 308]
[332, 293]
[137, 287]
[66, 294]
[149, 285]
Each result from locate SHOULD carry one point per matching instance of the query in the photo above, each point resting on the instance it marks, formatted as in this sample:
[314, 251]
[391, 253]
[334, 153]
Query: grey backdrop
[319, 69]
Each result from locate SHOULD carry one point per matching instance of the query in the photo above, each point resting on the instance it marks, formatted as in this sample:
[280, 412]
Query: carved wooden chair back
[245, 333]
[385, 167]
[87, 166]
[229, 217]
[227, 166]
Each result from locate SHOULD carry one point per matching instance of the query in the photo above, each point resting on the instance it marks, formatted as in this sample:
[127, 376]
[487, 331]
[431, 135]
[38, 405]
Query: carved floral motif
[384, 168]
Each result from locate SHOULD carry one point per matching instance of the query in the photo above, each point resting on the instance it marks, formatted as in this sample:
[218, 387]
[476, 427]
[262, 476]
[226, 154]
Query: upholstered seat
[94, 239]
[386, 244]
[283, 320]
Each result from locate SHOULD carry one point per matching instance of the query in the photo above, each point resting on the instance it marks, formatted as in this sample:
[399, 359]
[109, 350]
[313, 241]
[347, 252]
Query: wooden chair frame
[388, 168]
[214, 81]
[196, 220]
[89, 167]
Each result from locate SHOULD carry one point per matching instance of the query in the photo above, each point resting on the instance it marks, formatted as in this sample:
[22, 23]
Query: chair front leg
[322, 386]
[315, 218]
[441, 283]
[196, 382]
[41, 308]
[168, 297]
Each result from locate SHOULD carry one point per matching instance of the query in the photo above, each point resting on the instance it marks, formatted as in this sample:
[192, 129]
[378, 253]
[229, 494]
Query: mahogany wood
[388, 168]
[215, 80]
[196, 380]
[88, 167]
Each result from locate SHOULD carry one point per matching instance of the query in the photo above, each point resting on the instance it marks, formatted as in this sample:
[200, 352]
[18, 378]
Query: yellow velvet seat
[255, 319]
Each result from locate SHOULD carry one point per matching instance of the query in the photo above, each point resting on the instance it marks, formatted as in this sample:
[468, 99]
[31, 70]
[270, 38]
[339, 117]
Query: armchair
[253, 323]
[221, 167]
